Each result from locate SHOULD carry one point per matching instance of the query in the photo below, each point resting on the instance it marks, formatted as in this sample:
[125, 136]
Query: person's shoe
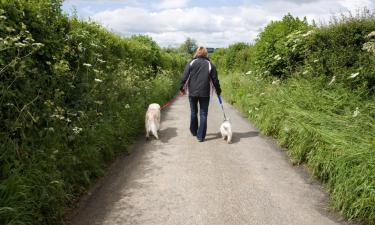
[193, 134]
[200, 140]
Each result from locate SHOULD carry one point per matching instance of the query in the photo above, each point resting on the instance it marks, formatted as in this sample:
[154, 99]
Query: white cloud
[171, 4]
[171, 22]
[357, 4]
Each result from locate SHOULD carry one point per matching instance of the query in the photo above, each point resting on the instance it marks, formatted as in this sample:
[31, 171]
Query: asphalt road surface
[179, 181]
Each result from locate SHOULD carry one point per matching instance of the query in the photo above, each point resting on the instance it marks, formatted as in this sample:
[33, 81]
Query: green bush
[276, 50]
[234, 58]
[73, 96]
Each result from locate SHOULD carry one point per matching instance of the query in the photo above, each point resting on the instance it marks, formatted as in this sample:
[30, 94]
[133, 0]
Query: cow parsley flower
[77, 130]
[248, 72]
[98, 80]
[308, 33]
[356, 112]
[353, 75]
[333, 80]
[51, 129]
[276, 82]
[370, 35]
[87, 65]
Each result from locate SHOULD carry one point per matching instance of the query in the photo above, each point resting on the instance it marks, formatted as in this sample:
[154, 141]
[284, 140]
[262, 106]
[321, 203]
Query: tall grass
[312, 88]
[330, 128]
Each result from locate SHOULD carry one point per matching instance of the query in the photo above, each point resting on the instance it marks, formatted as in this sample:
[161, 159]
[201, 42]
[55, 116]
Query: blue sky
[212, 23]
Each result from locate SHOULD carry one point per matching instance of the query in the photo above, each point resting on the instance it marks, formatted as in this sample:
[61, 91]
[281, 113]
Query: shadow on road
[237, 136]
[212, 136]
[167, 134]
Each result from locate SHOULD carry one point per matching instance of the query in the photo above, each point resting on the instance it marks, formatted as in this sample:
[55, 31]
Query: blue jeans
[199, 131]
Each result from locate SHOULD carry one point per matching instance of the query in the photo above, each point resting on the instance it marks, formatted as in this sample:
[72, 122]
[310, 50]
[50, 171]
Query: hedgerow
[312, 88]
[73, 96]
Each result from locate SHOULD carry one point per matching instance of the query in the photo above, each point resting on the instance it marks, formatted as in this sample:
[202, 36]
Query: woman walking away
[197, 78]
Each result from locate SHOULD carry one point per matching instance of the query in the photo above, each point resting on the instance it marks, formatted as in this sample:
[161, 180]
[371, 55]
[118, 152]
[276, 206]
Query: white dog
[152, 120]
[226, 131]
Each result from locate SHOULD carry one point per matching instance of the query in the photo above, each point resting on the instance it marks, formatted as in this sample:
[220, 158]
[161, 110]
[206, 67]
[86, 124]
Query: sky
[212, 23]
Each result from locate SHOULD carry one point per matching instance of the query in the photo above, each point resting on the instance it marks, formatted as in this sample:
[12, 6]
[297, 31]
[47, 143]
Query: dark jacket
[198, 77]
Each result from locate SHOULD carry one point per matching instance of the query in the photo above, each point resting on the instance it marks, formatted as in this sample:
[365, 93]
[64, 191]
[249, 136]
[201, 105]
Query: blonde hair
[201, 51]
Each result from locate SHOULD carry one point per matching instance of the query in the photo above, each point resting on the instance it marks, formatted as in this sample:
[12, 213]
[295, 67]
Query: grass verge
[328, 127]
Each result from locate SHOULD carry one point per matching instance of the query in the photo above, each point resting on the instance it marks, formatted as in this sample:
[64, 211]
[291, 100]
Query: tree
[189, 46]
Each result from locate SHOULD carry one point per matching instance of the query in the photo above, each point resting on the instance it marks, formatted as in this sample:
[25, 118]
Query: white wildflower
[10, 29]
[370, 35]
[38, 44]
[369, 47]
[127, 106]
[20, 45]
[101, 61]
[77, 130]
[353, 75]
[316, 60]
[87, 65]
[277, 57]
[68, 120]
[248, 72]
[50, 129]
[96, 71]
[305, 72]
[276, 82]
[333, 80]
[98, 80]
[57, 116]
[286, 129]
[9, 104]
[356, 112]
[308, 33]
[3, 17]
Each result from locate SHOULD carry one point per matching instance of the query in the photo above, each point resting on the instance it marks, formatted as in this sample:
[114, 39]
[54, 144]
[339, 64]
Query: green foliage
[273, 52]
[332, 129]
[312, 88]
[235, 58]
[73, 96]
[339, 51]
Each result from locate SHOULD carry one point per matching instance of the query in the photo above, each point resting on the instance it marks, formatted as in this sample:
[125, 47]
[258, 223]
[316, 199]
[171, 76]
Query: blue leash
[222, 107]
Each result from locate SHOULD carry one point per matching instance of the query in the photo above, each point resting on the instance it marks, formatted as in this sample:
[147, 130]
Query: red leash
[170, 102]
